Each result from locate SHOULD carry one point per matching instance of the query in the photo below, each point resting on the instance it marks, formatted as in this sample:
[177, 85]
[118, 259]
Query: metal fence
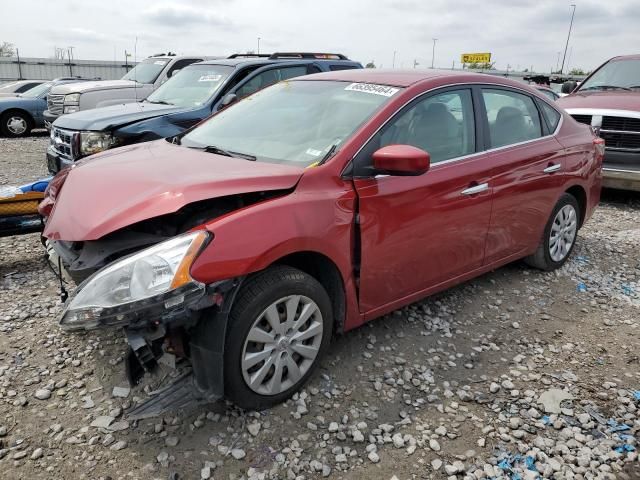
[21, 68]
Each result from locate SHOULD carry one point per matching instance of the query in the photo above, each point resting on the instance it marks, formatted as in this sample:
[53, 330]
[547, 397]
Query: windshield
[292, 122]
[615, 74]
[37, 91]
[191, 86]
[147, 71]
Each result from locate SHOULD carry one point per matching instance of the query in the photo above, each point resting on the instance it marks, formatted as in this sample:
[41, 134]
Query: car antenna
[135, 74]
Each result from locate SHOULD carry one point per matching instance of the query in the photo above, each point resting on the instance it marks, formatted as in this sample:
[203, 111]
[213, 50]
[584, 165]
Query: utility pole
[433, 52]
[19, 66]
[258, 45]
[415, 62]
[573, 12]
[393, 64]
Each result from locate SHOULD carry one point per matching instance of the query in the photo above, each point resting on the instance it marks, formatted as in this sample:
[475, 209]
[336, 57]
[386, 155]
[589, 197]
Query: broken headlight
[156, 278]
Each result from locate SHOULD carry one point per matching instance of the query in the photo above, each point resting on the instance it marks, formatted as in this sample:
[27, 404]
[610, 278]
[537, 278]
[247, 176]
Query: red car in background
[309, 208]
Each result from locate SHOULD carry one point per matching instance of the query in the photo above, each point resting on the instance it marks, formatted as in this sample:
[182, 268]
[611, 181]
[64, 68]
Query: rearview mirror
[404, 160]
[569, 86]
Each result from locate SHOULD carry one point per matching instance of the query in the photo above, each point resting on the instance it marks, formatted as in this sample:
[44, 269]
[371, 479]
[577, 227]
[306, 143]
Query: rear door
[417, 233]
[527, 164]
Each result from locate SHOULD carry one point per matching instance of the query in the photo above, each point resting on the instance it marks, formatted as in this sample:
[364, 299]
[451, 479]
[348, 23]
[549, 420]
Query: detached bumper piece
[182, 395]
[19, 208]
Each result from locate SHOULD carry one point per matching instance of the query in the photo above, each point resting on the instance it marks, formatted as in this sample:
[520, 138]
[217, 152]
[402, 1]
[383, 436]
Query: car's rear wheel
[15, 124]
[279, 328]
[559, 236]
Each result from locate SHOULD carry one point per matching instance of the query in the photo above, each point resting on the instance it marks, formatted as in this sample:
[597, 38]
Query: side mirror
[228, 99]
[569, 86]
[403, 160]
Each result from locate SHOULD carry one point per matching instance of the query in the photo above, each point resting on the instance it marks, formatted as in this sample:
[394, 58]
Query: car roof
[233, 62]
[627, 57]
[406, 78]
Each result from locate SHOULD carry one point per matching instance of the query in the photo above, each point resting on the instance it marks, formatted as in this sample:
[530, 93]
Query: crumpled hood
[83, 87]
[120, 187]
[108, 118]
[610, 99]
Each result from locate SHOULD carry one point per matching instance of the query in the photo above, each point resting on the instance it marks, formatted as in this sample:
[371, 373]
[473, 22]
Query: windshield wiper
[329, 153]
[605, 87]
[160, 102]
[226, 153]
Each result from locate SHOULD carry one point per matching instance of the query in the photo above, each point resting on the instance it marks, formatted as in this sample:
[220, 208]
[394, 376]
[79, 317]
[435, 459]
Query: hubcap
[282, 345]
[17, 125]
[563, 233]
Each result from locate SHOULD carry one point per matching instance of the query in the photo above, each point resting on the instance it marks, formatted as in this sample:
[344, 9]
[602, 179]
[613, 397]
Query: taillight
[52, 191]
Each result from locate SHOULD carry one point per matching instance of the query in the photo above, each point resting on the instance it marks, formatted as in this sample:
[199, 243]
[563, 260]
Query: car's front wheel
[279, 328]
[15, 124]
[559, 236]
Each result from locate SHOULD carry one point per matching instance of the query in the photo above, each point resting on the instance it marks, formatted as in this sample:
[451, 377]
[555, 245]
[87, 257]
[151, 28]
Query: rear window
[551, 115]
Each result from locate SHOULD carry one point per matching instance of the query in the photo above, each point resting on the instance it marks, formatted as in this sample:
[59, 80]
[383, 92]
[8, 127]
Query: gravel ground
[517, 374]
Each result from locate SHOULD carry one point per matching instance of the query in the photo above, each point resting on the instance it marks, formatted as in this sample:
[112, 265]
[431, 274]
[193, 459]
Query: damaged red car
[310, 208]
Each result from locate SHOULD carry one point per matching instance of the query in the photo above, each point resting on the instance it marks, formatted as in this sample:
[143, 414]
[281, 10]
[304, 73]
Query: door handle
[552, 168]
[475, 189]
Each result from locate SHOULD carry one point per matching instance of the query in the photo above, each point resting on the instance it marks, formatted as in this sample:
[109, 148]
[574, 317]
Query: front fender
[318, 217]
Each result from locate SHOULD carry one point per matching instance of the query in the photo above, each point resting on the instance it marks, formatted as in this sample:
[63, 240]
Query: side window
[513, 117]
[25, 87]
[441, 124]
[551, 115]
[180, 64]
[269, 77]
[337, 66]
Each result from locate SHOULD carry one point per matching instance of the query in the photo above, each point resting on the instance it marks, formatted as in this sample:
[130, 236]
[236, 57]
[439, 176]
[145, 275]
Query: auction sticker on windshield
[372, 88]
[210, 78]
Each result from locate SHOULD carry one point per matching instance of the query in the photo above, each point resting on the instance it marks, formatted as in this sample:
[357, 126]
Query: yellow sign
[475, 58]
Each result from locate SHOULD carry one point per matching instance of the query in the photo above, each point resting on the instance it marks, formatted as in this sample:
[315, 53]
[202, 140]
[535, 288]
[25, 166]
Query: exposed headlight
[71, 109]
[94, 142]
[148, 282]
[72, 99]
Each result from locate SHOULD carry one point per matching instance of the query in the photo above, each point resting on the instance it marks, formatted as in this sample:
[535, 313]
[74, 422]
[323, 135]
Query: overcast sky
[521, 33]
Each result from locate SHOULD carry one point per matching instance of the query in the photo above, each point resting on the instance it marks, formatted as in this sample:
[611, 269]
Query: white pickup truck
[137, 84]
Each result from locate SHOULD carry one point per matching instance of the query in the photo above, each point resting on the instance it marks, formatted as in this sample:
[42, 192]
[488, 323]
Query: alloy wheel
[563, 233]
[282, 345]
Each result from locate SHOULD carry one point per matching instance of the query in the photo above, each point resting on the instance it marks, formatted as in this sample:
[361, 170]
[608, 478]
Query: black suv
[188, 97]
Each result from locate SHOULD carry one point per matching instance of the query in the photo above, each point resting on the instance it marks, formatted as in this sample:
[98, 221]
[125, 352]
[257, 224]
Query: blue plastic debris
[627, 290]
[546, 420]
[625, 448]
[615, 427]
[582, 287]
[636, 394]
[529, 462]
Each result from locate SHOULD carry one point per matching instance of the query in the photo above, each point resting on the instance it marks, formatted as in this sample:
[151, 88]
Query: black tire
[6, 118]
[541, 259]
[256, 295]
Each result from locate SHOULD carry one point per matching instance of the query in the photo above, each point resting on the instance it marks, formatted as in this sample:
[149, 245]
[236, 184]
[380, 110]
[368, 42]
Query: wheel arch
[26, 113]
[580, 194]
[325, 271]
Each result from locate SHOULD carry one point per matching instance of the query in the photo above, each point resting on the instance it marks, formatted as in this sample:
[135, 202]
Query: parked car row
[240, 244]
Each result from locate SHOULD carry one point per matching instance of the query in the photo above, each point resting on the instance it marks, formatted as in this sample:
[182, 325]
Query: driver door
[419, 233]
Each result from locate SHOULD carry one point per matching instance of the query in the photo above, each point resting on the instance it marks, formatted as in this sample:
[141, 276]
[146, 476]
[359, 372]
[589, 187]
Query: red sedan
[311, 207]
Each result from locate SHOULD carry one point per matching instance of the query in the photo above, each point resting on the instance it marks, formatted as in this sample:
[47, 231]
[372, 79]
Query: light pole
[558, 61]
[573, 12]
[393, 64]
[258, 45]
[433, 52]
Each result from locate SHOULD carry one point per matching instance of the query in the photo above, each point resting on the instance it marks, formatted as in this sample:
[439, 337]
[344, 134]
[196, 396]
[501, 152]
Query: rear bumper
[621, 170]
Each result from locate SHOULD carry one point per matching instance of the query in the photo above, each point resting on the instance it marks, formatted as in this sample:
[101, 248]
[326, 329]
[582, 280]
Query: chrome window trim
[608, 112]
[619, 170]
[471, 155]
[625, 132]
